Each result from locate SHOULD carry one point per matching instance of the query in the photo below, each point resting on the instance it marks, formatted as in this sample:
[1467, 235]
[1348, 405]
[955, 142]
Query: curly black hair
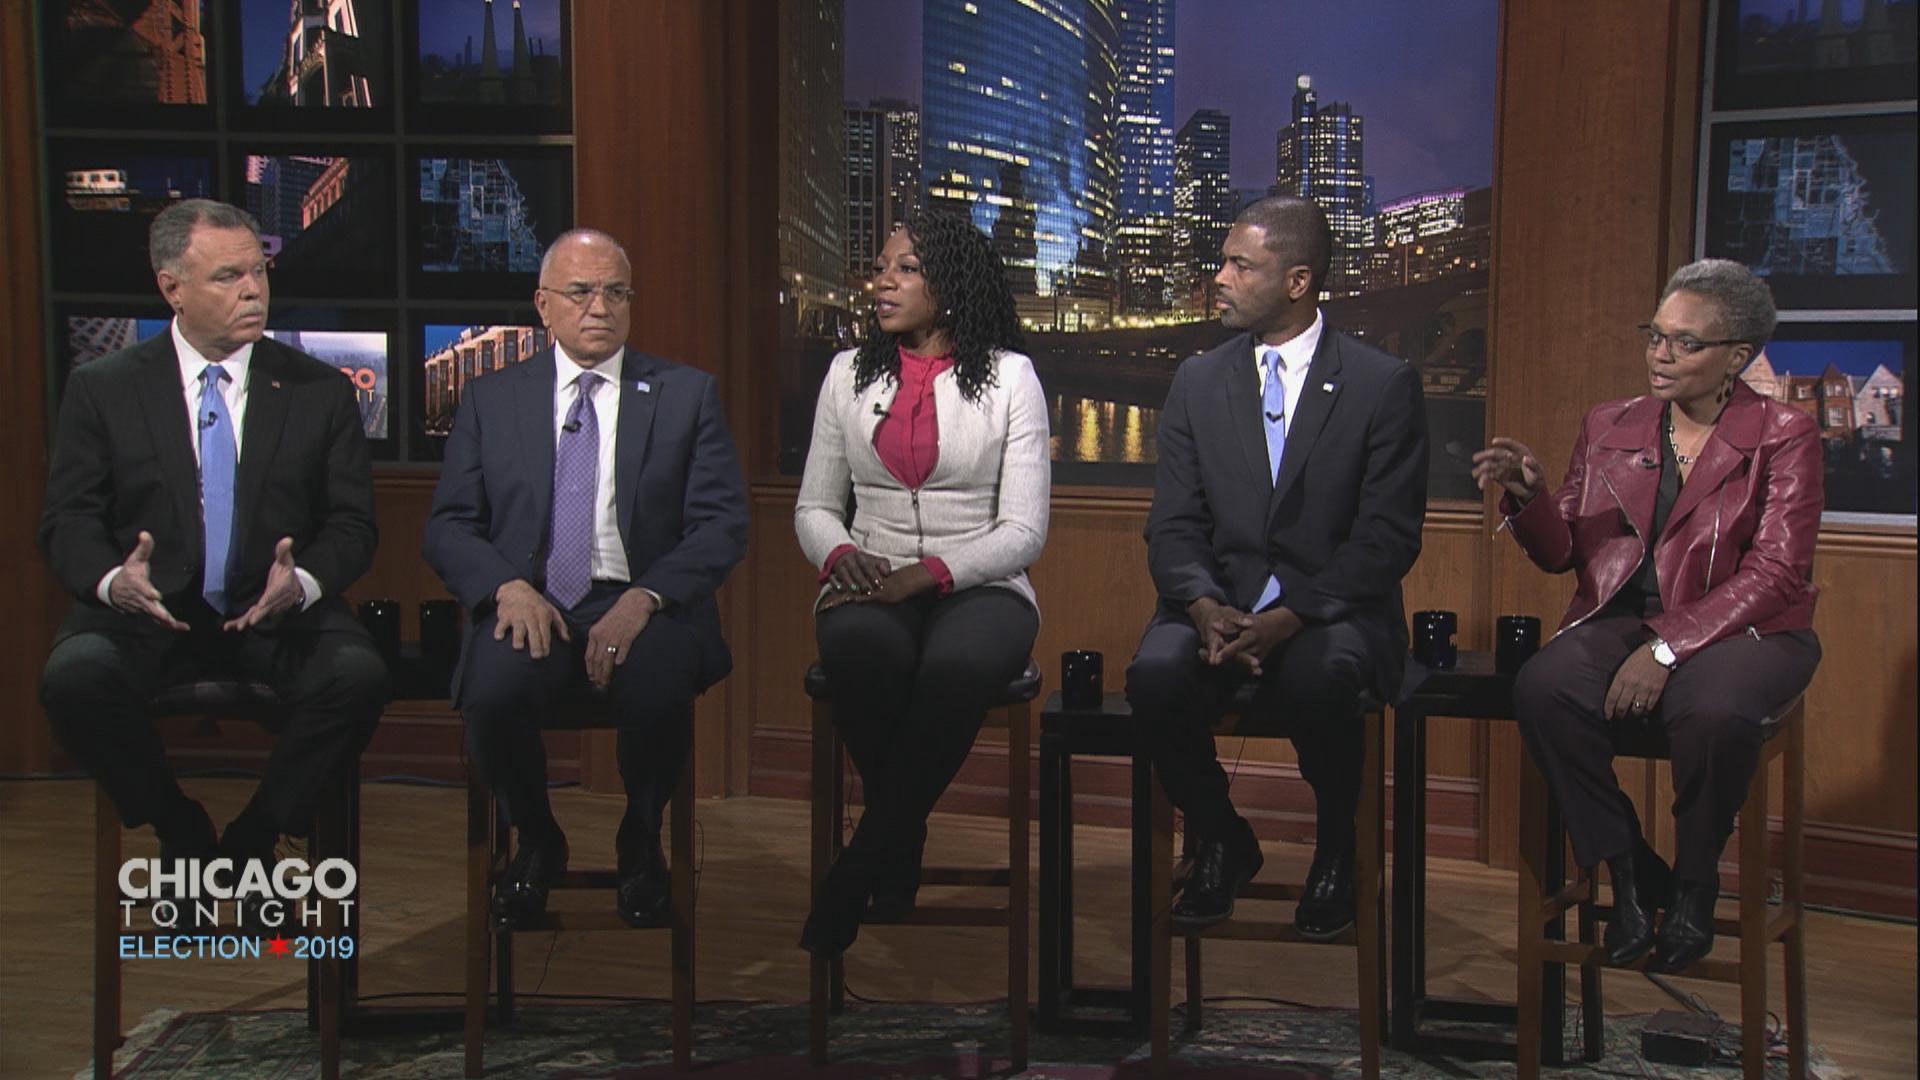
[968, 284]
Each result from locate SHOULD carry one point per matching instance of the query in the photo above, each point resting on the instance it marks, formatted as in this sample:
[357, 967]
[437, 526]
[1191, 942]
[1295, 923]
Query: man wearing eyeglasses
[590, 505]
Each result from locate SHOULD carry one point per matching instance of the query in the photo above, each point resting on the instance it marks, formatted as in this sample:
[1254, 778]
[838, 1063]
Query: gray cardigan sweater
[983, 510]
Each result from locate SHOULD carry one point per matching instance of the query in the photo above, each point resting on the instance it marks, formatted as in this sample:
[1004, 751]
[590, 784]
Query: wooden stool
[827, 978]
[1369, 928]
[1543, 901]
[487, 860]
[336, 834]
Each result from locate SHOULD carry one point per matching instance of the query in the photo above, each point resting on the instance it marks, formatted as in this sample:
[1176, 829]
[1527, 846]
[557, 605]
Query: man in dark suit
[590, 505]
[1287, 506]
[208, 500]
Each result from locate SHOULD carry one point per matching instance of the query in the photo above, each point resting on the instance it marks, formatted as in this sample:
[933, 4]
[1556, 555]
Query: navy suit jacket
[1341, 525]
[680, 499]
[123, 462]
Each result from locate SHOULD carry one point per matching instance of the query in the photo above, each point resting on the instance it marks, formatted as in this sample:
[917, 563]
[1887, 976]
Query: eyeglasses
[616, 294]
[1680, 344]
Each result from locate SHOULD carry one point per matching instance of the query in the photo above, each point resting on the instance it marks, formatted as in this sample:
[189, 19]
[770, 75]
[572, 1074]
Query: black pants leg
[1712, 708]
[95, 690]
[653, 695]
[961, 651]
[1312, 684]
[335, 686]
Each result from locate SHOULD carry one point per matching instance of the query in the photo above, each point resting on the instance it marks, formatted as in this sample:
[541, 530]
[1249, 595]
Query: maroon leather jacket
[1737, 553]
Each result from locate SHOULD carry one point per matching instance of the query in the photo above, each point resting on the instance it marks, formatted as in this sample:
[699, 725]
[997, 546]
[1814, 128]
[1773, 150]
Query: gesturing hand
[610, 639]
[283, 590]
[132, 589]
[1508, 463]
[520, 610]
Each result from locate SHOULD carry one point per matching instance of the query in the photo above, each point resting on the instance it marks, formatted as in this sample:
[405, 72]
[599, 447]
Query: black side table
[1472, 690]
[1065, 1007]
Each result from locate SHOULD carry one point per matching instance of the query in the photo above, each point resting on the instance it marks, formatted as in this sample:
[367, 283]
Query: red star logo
[278, 946]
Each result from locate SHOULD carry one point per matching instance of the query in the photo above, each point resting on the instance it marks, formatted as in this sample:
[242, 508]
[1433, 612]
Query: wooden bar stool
[336, 834]
[1369, 928]
[487, 860]
[827, 978]
[1544, 901]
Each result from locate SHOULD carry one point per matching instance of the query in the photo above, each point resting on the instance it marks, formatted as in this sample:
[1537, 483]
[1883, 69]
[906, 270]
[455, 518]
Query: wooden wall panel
[34, 602]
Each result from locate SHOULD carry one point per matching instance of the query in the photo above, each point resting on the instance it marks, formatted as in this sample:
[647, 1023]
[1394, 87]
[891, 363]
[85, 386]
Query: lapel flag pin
[276, 384]
[1326, 388]
[643, 386]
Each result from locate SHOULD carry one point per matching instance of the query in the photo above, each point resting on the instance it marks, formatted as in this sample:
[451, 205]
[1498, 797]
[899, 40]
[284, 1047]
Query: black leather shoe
[188, 835]
[1685, 936]
[244, 845]
[1222, 864]
[897, 885]
[1326, 910]
[520, 899]
[835, 919]
[1629, 932]
[644, 897]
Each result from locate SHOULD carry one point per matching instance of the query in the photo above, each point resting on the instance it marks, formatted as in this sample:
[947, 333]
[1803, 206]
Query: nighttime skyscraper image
[321, 53]
[491, 53]
[1320, 155]
[1031, 85]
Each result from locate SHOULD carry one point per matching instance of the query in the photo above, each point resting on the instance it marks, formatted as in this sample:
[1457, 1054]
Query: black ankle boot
[1686, 934]
[1629, 932]
[835, 919]
[897, 885]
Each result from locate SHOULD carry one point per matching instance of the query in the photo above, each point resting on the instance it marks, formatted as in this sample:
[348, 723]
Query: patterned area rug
[768, 1041]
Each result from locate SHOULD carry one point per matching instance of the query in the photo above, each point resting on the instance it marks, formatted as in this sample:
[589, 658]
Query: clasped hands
[132, 590]
[861, 577]
[532, 620]
[1231, 636]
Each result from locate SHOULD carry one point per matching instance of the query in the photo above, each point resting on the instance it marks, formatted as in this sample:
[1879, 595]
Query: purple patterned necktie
[576, 478]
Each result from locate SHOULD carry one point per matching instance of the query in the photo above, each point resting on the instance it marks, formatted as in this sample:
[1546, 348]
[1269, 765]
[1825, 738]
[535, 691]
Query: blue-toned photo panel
[104, 196]
[489, 65]
[481, 220]
[1775, 53]
[1822, 208]
[361, 355]
[1853, 379]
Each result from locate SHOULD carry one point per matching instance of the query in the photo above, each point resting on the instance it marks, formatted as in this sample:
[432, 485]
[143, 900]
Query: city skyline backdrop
[1419, 137]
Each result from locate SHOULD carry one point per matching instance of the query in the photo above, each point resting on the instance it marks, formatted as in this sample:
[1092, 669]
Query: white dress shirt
[1296, 355]
[609, 561]
[233, 390]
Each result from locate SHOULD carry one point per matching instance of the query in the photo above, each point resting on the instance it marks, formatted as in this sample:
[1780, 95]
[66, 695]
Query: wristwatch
[1663, 653]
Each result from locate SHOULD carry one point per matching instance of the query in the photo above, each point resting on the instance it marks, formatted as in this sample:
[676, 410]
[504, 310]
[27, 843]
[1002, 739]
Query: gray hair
[1744, 301]
[546, 257]
[167, 237]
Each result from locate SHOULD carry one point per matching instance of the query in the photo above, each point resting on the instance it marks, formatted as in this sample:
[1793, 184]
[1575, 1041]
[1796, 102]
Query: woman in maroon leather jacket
[1688, 516]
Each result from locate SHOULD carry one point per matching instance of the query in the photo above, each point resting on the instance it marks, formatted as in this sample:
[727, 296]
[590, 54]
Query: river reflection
[1106, 431]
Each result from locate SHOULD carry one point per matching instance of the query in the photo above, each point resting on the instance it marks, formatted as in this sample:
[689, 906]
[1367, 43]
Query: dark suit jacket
[123, 461]
[682, 505]
[1341, 526]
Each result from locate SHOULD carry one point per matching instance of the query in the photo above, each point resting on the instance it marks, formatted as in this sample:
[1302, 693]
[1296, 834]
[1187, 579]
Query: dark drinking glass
[1433, 638]
[1515, 639]
[382, 620]
[439, 640]
[1080, 672]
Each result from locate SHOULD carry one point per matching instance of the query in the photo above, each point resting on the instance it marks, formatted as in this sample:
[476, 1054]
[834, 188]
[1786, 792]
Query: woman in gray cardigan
[936, 428]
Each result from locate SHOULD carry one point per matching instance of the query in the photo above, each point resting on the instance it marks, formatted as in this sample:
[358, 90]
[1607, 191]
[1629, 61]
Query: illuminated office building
[903, 160]
[1018, 132]
[1203, 204]
[1319, 155]
[1143, 135]
[883, 177]
[813, 210]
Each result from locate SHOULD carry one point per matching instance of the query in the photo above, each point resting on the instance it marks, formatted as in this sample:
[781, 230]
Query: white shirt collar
[566, 371]
[1296, 352]
[192, 363]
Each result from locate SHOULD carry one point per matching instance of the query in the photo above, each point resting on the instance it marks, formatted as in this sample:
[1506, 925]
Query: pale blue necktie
[576, 483]
[1273, 408]
[217, 446]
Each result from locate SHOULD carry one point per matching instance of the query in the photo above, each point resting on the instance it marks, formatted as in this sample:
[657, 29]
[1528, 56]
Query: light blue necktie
[217, 445]
[1273, 408]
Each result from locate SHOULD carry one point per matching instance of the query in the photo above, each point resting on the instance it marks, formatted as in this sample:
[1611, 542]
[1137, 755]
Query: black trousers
[1312, 685]
[96, 687]
[912, 683]
[1712, 709]
[505, 691]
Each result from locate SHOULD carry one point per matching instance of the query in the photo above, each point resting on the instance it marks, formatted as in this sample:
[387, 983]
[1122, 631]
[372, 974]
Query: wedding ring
[613, 648]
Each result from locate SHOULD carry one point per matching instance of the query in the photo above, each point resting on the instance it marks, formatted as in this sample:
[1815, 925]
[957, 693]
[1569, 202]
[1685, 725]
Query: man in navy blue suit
[589, 507]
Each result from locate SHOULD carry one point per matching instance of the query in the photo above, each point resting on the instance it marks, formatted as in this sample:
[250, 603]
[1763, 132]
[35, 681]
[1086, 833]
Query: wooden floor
[752, 897]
